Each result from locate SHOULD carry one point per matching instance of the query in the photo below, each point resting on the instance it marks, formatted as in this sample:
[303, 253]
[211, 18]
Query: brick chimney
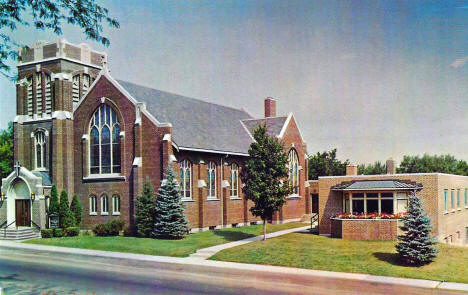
[270, 107]
[351, 170]
[391, 166]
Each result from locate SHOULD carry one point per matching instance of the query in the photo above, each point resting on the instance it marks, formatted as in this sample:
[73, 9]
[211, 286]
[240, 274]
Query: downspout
[222, 191]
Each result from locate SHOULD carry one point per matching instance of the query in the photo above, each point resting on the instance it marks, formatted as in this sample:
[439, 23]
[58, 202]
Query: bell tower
[52, 78]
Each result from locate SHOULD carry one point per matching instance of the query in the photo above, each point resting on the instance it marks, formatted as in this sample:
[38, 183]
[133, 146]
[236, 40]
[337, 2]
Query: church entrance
[23, 212]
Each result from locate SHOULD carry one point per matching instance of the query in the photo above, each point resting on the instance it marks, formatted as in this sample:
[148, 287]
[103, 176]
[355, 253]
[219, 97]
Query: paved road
[37, 272]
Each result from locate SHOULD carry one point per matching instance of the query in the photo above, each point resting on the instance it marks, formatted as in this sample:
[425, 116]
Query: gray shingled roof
[273, 124]
[196, 123]
[46, 181]
[376, 184]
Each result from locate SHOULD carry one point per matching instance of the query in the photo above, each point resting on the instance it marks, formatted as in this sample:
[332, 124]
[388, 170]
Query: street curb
[244, 266]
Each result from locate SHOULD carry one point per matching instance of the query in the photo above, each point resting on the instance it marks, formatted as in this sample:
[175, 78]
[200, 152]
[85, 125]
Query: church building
[100, 138]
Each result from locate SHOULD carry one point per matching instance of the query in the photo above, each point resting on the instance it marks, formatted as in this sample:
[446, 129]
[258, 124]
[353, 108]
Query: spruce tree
[144, 217]
[76, 210]
[263, 176]
[416, 245]
[66, 217]
[54, 201]
[170, 221]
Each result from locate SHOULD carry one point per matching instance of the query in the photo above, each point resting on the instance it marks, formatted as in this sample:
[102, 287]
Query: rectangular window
[387, 206]
[358, 206]
[466, 197]
[445, 200]
[452, 203]
[458, 198]
[372, 206]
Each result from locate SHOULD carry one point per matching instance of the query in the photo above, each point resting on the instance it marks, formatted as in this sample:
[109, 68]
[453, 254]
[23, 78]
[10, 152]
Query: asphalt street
[24, 271]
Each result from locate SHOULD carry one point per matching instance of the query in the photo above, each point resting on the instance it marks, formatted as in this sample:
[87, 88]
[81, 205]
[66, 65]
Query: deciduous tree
[326, 164]
[264, 176]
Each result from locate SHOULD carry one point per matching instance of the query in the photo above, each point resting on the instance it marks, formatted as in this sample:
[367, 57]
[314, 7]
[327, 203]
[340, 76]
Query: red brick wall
[364, 229]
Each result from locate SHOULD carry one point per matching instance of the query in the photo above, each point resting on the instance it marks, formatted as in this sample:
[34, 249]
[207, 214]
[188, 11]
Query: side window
[186, 179]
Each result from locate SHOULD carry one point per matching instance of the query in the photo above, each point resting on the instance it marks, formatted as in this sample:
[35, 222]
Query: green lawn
[371, 257]
[177, 248]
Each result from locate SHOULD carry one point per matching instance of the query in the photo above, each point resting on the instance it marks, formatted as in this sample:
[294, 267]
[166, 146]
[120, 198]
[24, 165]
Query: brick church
[99, 138]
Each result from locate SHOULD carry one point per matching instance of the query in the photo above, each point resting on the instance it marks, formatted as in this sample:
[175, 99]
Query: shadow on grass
[233, 235]
[391, 258]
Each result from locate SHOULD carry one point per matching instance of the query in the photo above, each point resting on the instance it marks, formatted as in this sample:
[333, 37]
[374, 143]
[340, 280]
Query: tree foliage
[372, 169]
[6, 151]
[433, 163]
[54, 207]
[76, 210]
[326, 164]
[49, 15]
[66, 216]
[264, 174]
[170, 221]
[145, 205]
[416, 245]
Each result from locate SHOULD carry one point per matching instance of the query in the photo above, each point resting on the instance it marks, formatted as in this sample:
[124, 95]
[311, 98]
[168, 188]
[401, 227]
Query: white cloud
[459, 62]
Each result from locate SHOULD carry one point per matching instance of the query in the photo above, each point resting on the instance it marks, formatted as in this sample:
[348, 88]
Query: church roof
[195, 123]
[46, 181]
[274, 125]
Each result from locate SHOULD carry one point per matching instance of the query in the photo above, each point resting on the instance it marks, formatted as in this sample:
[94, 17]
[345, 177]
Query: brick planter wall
[364, 229]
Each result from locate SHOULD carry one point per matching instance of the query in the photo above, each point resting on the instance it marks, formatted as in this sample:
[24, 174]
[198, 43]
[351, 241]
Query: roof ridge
[188, 97]
[253, 119]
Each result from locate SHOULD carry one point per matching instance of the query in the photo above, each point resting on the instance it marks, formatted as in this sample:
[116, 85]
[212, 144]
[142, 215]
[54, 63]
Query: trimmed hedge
[58, 232]
[72, 231]
[112, 228]
[47, 233]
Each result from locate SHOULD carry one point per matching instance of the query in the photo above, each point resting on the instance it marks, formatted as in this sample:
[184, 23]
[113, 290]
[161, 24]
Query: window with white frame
[293, 163]
[115, 205]
[186, 179]
[372, 202]
[211, 179]
[445, 200]
[39, 149]
[104, 143]
[234, 180]
[92, 205]
[104, 205]
[452, 199]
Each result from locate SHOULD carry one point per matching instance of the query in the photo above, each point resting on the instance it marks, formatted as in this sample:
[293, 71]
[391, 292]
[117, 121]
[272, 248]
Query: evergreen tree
[144, 217]
[263, 174]
[170, 221]
[416, 245]
[54, 201]
[66, 216]
[76, 209]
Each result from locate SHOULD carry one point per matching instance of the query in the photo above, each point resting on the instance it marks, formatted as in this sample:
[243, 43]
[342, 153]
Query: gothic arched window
[211, 179]
[234, 179]
[104, 141]
[293, 163]
[186, 178]
[39, 149]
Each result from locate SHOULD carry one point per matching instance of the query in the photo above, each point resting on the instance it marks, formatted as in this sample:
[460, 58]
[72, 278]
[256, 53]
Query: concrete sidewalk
[243, 266]
[206, 253]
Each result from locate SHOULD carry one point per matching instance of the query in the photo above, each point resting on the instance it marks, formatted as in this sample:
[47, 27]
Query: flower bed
[373, 215]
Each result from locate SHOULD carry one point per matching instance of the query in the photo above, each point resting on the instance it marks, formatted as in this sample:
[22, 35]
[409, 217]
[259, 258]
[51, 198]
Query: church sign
[53, 221]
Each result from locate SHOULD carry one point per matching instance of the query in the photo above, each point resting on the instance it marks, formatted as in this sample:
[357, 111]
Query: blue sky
[375, 79]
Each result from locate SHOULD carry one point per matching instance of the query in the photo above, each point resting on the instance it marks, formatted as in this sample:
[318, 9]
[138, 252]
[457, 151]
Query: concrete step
[20, 233]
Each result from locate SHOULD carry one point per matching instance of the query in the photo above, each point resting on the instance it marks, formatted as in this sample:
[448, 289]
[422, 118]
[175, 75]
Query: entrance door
[23, 213]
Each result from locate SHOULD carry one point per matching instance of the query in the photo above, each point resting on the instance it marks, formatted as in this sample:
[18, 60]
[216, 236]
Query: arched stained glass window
[234, 180]
[186, 178]
[39, 148]
[104, 141]
[211, 179]
[293, 162]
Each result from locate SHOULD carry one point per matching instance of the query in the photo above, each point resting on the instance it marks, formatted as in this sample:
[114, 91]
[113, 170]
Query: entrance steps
[19, 233]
